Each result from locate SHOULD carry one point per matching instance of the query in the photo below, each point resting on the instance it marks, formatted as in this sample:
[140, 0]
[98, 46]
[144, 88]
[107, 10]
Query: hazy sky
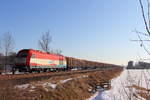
[97, 30]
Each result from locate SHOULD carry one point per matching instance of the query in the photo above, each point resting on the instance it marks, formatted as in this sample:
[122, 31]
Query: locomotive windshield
[22, 54]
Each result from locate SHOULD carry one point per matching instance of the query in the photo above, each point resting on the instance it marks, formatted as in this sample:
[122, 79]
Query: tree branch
[144, 18]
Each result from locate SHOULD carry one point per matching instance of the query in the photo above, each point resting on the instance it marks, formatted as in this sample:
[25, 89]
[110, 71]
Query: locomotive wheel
[44, 70]
[13, 70]
[30, 71]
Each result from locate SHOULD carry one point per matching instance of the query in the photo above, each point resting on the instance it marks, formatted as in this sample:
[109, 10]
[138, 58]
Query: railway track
[25, 78]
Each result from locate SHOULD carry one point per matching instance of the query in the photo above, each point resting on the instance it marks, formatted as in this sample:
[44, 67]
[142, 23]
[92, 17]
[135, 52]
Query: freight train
[29, 60]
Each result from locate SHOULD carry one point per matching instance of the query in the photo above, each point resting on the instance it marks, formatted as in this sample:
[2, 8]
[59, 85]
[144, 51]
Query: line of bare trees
[6, 49]
[7, 43]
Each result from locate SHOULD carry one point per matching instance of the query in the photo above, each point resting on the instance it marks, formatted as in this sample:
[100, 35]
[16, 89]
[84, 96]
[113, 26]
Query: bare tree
[146, 19]
[145, 10]
[44, 42]
[8, 44]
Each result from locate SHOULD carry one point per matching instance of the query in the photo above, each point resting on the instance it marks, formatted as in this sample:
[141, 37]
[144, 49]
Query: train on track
[29, 60]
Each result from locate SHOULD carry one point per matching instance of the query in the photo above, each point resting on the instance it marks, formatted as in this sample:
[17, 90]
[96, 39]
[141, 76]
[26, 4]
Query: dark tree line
[6, 46]
[10, 60]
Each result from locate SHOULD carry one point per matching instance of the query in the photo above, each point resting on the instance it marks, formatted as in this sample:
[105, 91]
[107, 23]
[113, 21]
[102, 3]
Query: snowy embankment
[46, 85]
[122, 86]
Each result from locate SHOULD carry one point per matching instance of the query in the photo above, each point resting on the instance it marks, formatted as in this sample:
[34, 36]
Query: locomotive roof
[38, 51]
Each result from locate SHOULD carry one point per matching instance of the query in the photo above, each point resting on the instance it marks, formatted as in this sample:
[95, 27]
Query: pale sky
[98, 30]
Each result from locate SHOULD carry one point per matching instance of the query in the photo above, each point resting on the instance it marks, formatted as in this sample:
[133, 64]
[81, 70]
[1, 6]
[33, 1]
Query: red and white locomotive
[33, 60]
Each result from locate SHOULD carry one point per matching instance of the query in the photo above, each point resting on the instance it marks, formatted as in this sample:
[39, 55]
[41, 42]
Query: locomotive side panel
[45, 60]
[28, 59]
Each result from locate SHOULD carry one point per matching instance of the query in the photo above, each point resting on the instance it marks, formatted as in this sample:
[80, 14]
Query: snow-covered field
[121, 89]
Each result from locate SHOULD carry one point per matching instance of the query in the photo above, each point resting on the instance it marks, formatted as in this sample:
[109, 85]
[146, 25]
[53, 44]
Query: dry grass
[140, 88]
[143, 92]
[77, 89]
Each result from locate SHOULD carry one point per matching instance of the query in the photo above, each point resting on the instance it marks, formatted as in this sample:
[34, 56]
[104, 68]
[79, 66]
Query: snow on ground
[31, 87]
[47, 85]
[95, 96]
[64, 81]
[120, 86]
[69, 79]
[24, 86]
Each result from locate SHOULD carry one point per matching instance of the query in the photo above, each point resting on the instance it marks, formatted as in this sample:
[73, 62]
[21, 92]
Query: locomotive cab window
[22, 54]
